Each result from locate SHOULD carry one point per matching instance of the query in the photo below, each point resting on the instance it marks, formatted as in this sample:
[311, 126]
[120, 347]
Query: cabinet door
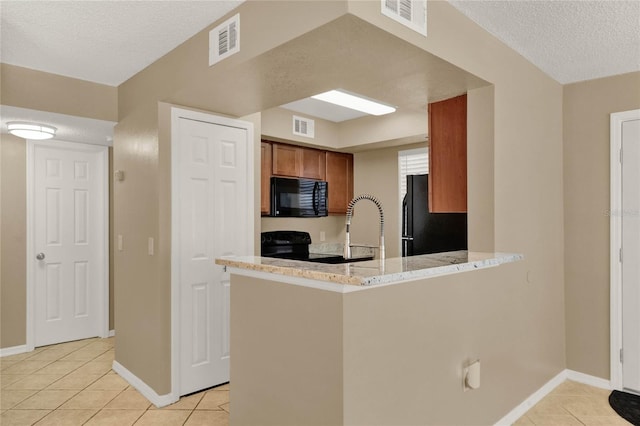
[340, 181]
[287, 160]
[313, 164]
[448, 155]
[265, 178]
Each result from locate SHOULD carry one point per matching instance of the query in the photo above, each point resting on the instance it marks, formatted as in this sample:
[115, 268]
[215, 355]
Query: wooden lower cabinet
[265, 178]
[339, 176]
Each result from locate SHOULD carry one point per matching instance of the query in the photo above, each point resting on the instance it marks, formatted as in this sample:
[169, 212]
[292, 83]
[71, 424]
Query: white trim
[588, 379]
[112, 333]
[615, 231]
[103, 161]
[142, 387]
[13, 350]
[546, 389]
[176, 114]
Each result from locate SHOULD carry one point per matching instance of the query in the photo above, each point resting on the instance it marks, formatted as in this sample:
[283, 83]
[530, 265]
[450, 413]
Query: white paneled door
[212, 191]
[631, 255]
[68, 241]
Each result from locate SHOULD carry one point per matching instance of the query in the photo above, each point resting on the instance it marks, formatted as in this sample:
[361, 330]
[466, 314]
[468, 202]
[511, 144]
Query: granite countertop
[373, 272]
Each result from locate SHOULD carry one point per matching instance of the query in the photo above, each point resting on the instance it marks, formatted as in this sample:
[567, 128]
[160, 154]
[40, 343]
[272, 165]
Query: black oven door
[298, 197]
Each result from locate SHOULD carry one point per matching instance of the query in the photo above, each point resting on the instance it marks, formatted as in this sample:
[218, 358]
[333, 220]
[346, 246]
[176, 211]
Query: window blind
[411, 162]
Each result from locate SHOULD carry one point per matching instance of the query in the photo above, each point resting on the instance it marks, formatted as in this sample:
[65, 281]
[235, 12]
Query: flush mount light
[31, 130]
[353, 101]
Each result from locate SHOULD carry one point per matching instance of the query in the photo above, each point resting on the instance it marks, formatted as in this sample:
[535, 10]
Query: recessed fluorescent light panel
[353, 101]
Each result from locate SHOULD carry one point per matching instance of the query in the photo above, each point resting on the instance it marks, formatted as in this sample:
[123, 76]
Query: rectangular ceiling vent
[224, 40]
[303, 127]
[410, 13]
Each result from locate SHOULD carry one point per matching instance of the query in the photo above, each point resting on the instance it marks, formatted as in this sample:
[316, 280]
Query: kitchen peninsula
[319, 344]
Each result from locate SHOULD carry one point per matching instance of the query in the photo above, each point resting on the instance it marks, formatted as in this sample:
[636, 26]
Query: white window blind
[411, 162]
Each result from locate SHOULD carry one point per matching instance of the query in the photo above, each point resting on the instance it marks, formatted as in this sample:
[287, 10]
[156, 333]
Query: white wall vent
[411, 13]
[224, 40]
[303, 127]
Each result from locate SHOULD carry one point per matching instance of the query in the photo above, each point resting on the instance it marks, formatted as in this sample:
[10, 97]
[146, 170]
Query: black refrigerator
[424, 232]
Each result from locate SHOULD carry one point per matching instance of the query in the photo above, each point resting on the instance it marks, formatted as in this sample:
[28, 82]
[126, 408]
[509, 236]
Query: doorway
[625, 250]
[67, 242]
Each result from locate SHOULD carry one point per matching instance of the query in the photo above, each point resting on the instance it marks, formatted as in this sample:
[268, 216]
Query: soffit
[347, 53]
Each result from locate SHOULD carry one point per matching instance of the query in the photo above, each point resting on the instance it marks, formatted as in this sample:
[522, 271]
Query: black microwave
[298, 197]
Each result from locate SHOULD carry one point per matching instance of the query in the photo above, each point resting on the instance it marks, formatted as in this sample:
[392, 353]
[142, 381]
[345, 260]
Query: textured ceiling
[110, 41]
[102, 41]
[569, 40]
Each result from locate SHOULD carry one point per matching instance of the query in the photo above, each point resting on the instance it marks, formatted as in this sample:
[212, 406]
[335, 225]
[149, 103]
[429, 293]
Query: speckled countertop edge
[374, 272]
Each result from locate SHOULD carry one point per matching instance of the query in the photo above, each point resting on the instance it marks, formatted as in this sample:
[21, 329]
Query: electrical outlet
[322, 236]
[151, 246]
[120, 243]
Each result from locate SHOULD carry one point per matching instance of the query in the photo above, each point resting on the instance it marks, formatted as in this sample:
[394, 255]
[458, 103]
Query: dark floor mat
[626, 405]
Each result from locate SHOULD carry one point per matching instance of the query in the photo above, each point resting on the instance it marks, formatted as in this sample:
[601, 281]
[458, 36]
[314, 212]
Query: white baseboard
[13, 350]
[112, 333]
[589, 380]
[521, 409]
[142, 387]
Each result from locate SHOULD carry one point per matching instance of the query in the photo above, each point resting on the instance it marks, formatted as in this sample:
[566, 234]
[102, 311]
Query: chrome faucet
[347, 242]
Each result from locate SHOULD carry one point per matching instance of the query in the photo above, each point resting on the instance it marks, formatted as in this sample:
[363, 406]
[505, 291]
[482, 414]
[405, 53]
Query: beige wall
[287, 372]
[41, 91]
[586, 113]
[277, 126]
[527, 171]
[25, 88]
[142, 150]
[527, 174]
[405, 347]
[13, 244]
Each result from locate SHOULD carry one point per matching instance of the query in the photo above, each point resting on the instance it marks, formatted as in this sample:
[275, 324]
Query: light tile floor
[573, 404]
[73, 384]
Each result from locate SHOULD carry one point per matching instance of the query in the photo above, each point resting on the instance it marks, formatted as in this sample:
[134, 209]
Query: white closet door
[214, 212]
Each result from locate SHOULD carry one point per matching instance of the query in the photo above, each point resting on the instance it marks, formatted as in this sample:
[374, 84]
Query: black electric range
[294, 245]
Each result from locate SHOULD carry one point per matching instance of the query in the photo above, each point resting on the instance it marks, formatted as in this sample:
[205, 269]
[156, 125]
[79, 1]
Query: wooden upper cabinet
[340, 181]
[287, 160]
[313, 164]
[265, 178]
[295, 161]
[448, 155]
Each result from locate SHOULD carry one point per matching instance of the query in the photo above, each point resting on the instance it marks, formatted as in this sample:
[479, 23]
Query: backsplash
[337, 248]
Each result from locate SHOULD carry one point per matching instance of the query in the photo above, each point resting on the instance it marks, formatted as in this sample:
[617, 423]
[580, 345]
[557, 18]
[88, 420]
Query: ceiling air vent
[410, 13]
[224, 40]
[303, 127]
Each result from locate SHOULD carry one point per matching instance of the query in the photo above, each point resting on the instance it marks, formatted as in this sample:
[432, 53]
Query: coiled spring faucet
[347, 242]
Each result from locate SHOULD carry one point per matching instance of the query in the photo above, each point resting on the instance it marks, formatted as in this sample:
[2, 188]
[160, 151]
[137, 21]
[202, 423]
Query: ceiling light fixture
[353, 101]
[31, 130]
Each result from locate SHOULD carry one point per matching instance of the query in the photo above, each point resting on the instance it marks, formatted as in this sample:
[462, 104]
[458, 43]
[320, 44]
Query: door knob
[40, 256]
